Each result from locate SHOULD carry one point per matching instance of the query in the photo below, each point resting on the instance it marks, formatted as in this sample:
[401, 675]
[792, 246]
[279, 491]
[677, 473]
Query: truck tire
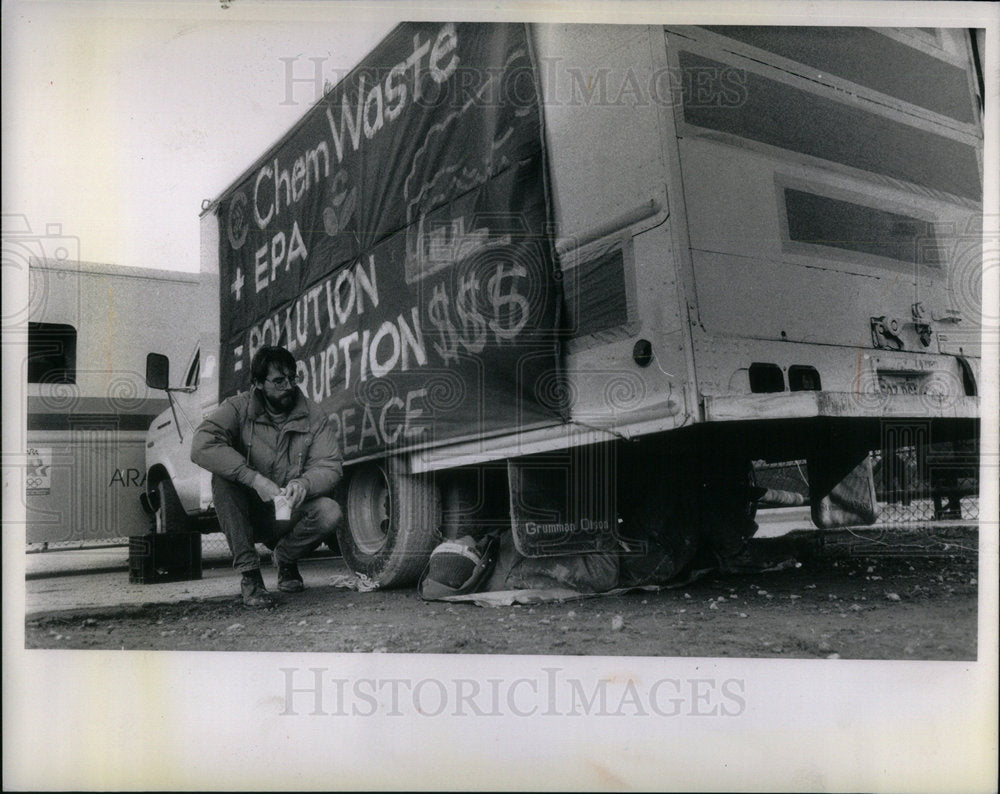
[169, 515]
[392, 523]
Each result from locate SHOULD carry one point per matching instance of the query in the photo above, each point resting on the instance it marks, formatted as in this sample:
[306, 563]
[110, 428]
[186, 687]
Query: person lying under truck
[270, 449]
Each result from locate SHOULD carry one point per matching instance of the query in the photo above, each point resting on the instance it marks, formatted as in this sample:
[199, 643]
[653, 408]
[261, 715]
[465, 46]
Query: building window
[51, 353]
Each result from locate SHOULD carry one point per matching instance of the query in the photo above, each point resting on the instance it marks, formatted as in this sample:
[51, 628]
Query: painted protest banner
[397, 242]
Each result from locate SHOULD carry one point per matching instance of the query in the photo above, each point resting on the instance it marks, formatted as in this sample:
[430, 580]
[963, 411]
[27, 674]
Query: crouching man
[271, 442]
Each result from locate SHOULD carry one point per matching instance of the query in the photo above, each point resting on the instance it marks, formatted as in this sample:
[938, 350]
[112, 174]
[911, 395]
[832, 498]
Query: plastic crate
[173, 557]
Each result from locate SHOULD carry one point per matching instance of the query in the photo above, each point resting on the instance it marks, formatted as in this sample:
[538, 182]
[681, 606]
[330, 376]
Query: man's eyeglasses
[280, 383]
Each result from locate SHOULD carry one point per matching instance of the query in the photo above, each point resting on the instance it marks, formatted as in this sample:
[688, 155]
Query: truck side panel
[602, 85]
[740, 262]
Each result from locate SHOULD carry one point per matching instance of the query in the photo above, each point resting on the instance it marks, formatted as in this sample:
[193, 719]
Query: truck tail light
[801, 378]
[766, 378]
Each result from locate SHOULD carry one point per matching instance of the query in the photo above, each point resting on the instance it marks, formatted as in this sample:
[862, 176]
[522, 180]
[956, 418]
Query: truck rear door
[832, 182]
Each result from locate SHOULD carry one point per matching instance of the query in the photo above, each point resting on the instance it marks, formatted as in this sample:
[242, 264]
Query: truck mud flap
[564, 503]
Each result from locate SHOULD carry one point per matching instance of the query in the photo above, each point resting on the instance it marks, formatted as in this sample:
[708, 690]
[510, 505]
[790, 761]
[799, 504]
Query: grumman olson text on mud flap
[516, 320]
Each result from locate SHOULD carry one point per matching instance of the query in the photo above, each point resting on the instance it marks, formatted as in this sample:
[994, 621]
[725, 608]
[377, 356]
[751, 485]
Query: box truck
[569, 279]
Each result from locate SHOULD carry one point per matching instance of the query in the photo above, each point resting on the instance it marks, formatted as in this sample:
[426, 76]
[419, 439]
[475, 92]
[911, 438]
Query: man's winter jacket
[238, 440]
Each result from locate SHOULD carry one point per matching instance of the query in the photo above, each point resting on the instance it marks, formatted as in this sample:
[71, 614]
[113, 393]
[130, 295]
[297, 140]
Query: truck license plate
[900, 384]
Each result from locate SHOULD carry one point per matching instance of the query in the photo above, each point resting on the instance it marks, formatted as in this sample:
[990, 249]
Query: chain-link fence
[936, 482]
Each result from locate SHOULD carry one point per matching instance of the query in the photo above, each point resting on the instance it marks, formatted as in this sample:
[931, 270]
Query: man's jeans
[246, 520]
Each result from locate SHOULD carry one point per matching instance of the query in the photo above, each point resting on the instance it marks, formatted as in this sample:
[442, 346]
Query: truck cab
[178, 493]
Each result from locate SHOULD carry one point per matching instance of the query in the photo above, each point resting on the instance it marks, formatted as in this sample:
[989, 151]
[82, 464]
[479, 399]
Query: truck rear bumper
[799, 413]
[808, 404]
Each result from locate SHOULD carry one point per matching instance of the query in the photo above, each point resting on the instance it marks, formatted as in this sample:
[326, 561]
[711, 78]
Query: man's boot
[289, 578]
[254, 593]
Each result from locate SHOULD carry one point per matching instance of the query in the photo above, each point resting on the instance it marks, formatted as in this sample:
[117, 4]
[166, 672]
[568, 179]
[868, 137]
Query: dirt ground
[848, 596]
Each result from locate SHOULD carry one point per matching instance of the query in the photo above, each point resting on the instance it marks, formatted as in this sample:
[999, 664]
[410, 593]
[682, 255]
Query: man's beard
[282, 404]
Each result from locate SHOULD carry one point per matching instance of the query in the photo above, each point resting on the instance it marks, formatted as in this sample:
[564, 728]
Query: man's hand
[265, 489]
[295, 492]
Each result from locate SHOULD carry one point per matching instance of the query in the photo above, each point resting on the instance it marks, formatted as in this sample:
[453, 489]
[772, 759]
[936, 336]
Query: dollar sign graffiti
[473, 323]
[438, 311]
[510, 305]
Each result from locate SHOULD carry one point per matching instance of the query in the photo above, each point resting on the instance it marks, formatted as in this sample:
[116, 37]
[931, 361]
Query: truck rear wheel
[169, 515]
[392, 523]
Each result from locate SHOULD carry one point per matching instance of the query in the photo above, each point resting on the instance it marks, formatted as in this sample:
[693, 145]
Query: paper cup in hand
[282, 509]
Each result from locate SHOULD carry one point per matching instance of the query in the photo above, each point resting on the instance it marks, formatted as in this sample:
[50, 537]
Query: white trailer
[88, 407]
[769, 246]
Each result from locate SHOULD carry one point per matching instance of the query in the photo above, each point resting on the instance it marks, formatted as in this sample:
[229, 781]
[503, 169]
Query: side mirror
[157, 371]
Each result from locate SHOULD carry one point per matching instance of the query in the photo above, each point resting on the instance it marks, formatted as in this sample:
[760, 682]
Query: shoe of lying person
[289, 578]
[255, 595]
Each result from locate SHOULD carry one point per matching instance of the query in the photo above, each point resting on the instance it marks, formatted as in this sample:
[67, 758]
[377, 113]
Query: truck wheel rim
[369, 507]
